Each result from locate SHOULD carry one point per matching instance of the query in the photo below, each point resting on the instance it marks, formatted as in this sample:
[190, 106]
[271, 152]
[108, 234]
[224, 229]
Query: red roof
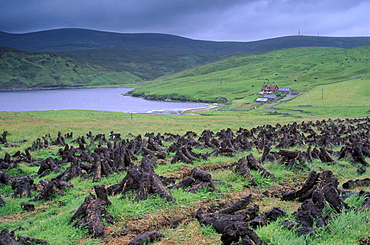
[269, 87]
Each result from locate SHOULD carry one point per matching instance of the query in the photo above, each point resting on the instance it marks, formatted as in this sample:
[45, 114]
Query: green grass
[342, 99]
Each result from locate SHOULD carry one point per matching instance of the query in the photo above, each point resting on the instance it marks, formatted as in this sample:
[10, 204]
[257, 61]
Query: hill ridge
[71, 39]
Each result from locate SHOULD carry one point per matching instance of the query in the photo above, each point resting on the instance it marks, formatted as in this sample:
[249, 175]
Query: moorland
[333, 86]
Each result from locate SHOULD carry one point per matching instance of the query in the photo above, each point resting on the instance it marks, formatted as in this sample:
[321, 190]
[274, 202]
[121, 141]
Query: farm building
[267, 98]
[270, 97]
[262, 100]
[283, 90]
[269, 89]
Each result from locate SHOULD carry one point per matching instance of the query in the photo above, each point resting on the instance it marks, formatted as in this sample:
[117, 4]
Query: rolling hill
[237, 79]
[30, 70]
[151, 55]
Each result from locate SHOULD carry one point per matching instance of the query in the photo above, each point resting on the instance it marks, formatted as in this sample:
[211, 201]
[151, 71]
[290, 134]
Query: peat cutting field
[303, 182]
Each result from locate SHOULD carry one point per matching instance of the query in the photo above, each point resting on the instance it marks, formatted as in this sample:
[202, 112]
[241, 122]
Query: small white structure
[262, 100]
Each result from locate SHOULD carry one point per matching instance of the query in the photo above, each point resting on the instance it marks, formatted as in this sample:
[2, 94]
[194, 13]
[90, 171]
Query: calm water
[100, 99]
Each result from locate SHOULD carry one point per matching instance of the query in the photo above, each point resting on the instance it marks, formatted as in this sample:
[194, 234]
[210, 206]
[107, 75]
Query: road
[288, 97]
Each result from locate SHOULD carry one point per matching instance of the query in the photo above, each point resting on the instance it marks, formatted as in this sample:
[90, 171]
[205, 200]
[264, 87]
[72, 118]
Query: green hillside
[146, 64]
[151, 55]
[237, 78]
[25, 70]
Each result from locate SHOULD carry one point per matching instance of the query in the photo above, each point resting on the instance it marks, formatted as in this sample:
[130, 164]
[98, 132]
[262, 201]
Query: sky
[216, 20]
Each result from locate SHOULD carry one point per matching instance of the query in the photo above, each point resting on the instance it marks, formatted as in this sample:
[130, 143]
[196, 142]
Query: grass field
[50, 219]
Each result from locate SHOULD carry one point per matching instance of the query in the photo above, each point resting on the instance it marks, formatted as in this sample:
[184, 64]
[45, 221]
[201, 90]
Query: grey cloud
[207, 19]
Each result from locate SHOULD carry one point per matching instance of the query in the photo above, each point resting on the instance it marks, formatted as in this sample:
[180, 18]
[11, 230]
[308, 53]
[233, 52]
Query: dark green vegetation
[63, 40]
[146, 64]
[149, 56]
[32, 70]
[176, 220]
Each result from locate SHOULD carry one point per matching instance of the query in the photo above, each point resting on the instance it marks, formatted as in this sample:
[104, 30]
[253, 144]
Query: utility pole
[322, 94]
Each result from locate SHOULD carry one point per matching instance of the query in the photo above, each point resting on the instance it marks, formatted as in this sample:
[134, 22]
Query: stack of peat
[9, 238]
[197, 180]
[91, 212]
[233, 222]
[141, 181]
[318, 189]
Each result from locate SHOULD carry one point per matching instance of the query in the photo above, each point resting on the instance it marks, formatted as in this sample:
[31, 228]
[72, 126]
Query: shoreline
[190, 112]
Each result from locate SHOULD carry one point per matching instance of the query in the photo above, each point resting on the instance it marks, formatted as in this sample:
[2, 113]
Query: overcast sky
[218, 20]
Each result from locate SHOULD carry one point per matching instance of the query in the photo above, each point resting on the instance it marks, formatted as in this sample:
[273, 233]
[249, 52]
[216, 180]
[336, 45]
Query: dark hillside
[62, 40]
[25, 70]
[146, 64]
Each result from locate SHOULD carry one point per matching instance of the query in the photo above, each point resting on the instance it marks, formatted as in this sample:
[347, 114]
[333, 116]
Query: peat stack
[267, 216]
[6, 163]
[232, 222]
[47, 188]
[9, 238]
[325, 157]
[197, 180]
[323, 183]
[356, 152]
[2, 201]
[4, 178]
[146, 237]
[242, 168]
[293, 158]
[22, 186]
[27, 206]
[141, 181]
[91, 212]
[71, 172]
[318, 188]
[47, 165]
[183, 149]
[244, 165]
[3, 139]
[356, 183]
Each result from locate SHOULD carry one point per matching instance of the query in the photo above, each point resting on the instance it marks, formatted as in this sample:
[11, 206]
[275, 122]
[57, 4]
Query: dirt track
[266, 107]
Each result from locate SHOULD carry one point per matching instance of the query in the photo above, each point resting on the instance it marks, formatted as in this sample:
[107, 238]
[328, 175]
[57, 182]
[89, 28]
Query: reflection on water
[100, 99]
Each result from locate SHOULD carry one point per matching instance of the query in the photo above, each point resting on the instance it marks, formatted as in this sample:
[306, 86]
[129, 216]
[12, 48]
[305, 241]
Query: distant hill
[67, 40]
[30, 70]
[148, 56]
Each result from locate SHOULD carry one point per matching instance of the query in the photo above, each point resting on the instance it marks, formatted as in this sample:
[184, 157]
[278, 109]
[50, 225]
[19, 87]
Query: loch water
[99, 99]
